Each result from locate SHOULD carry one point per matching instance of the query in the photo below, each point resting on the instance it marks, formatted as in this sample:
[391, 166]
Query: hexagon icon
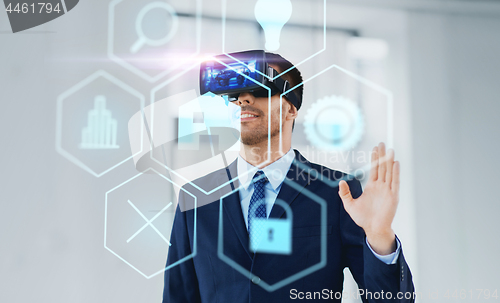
[377, 122]
[303, 269]
[334, 122]
[150, 39]
[268, 15]
[168, 156]
[92, 119]
[139, 215]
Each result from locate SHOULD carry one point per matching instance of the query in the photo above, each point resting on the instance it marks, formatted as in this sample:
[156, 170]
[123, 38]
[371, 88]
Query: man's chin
[250, 140]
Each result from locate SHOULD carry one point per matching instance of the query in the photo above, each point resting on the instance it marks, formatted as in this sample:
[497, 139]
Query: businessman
[358, 224]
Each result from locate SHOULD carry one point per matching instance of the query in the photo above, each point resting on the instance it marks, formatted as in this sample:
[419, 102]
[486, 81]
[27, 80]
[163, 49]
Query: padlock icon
[272, 236]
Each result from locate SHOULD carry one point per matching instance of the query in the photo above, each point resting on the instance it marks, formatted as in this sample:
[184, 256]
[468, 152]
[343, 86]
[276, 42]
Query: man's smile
[247, 116]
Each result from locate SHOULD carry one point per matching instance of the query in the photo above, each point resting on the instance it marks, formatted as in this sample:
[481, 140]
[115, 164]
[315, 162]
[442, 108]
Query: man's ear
[291, 111]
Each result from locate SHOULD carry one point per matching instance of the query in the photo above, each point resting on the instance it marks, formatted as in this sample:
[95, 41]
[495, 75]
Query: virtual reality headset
[235, 73]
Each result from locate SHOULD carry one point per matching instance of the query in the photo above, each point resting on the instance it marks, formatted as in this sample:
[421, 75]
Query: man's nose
[245, 99]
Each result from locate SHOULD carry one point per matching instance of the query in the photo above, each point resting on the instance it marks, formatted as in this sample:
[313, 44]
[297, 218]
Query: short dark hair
[293, 75]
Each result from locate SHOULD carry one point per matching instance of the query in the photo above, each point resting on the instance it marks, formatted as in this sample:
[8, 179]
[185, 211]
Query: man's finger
[382, 165]
[374, 165]
[389, 163]
[345, 193]
[395, 178]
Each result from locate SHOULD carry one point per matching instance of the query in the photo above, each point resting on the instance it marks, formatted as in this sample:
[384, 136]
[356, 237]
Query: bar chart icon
[101, 130]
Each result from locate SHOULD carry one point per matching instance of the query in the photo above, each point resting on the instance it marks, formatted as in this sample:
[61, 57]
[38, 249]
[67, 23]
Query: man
[358, 225]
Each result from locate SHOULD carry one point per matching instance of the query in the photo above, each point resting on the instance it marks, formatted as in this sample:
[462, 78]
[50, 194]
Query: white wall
[455, 68]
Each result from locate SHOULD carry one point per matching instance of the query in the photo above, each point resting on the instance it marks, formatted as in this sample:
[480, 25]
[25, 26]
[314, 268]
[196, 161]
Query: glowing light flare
[156, 60]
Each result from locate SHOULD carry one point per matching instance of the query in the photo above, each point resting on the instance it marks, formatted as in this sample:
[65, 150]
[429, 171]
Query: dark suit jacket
[207, 278]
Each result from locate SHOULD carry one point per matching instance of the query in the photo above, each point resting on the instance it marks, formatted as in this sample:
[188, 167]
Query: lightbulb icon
[272, 16]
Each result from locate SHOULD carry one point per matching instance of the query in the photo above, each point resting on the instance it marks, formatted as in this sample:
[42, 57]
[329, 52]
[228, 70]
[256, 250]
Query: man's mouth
[248, 116]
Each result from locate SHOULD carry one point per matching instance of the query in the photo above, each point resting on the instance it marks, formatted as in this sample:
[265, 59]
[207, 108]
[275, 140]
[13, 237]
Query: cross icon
[149, 222]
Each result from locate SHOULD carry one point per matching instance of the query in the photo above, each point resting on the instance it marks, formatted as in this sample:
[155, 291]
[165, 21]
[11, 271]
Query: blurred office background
[437, 58]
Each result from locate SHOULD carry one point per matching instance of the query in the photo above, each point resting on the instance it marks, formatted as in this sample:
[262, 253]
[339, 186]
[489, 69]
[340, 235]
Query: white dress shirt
[276, 173]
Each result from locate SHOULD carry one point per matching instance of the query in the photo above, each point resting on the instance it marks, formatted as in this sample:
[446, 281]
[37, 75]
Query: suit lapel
[296, 179]
[232, 209]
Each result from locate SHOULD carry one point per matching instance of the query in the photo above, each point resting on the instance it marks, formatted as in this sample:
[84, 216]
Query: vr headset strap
[283, 86]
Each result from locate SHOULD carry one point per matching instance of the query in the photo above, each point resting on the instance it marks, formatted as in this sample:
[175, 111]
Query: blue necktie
[257, 208]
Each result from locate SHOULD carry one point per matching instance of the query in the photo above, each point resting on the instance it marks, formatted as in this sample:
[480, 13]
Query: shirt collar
[275, 172]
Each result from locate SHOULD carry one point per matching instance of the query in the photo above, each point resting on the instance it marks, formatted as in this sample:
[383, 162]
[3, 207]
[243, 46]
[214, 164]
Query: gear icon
[334, 123]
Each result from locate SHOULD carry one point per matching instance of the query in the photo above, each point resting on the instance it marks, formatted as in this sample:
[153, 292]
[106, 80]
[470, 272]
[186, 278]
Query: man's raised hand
[374, 210]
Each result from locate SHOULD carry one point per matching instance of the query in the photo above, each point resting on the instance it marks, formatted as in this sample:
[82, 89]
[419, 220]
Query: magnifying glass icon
[143, 39]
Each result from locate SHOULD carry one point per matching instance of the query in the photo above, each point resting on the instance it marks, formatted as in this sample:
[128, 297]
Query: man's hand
[374, 210]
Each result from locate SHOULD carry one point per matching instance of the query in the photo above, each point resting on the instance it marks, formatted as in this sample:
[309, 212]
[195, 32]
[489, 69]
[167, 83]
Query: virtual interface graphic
[334, 123]
[184, 130]
[163, 39]
[179, 139]
[272, 15]
[92, 122]
[139, 214]
[150, 39]
[101, 130]
[269, 235]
